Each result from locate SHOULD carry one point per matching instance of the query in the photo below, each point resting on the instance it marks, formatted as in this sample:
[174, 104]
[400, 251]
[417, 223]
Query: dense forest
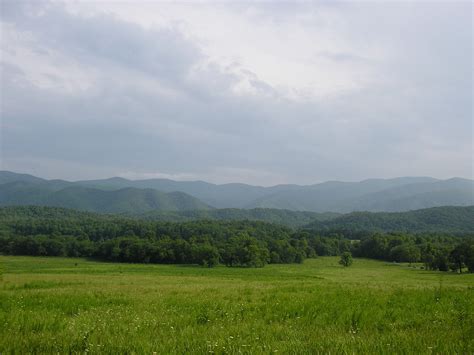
[447, 219]
[53, 231]
[293, 219]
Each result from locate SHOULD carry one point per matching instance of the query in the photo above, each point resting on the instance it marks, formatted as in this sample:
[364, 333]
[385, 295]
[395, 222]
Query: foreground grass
[73, 305]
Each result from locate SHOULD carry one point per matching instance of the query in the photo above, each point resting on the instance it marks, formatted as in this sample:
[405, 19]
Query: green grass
[73, 305]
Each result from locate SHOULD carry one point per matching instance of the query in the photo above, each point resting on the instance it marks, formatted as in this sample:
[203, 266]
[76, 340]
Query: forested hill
[430, 220]
[46, 213]
[293, 219]
[437, 219]
[125, 200]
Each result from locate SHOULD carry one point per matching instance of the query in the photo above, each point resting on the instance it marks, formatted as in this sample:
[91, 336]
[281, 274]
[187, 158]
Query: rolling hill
[437, 220]
[293, 219]
[450, 220]
[126, 200]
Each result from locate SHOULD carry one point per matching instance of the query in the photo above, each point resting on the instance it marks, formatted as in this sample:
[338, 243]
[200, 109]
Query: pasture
[50, 305]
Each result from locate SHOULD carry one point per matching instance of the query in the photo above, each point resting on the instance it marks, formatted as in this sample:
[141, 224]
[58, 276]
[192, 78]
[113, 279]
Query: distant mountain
[220, 196]
[398, 194]
[414, 196]
[8, 176]
[436, 219]
[126, 200]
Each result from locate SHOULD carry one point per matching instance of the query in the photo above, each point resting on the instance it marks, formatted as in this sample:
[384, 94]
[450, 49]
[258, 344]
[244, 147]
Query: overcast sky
[261, 93]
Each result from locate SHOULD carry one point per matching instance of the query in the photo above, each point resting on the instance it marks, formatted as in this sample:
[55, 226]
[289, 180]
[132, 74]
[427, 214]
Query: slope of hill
[436, 219]
[293, 219]
[46, 213]
[452, 220]
[23, 193]
[8, 176]
[126, 200]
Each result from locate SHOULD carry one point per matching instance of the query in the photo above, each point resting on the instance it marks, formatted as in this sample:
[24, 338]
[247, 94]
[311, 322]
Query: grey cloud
[158, 105]
[164, 54]
[342, 57]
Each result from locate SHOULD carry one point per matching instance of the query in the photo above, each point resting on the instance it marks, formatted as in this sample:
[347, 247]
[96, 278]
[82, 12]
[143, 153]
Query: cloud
[259, 93]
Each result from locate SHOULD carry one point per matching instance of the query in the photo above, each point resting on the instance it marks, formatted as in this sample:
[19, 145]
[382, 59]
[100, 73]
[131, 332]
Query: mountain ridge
[397, 194]
[124, 200]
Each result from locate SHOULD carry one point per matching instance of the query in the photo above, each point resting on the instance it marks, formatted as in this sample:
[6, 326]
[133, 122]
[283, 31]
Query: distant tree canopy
[62, 232]
[447, 219]
[53, 231]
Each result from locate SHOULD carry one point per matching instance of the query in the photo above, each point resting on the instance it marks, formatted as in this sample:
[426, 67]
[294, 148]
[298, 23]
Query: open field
[75, 305]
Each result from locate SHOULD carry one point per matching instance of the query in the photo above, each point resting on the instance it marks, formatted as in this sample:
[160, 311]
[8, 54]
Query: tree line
[60, 232]
[437, 252]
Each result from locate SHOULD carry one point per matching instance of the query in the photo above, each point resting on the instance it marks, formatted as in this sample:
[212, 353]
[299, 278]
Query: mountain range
[119, 195]
[126, 200]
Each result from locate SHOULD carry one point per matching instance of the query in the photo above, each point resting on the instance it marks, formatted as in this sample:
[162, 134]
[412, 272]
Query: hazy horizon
[257, 93]
[238, 182]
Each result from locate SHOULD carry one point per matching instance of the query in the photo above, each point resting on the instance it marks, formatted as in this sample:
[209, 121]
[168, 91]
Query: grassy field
[74, 305]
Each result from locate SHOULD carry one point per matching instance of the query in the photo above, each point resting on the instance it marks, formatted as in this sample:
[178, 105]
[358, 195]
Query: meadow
[51, 305]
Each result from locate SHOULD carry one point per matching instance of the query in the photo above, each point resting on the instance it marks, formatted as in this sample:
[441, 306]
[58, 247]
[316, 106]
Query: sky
[262, 93]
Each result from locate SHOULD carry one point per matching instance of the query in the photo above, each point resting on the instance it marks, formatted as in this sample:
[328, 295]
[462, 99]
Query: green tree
[457, 257]
[463, 255]
[470, 257]
[205, 254]
[405, 252]
[441, 262]
[244, 250]
[346, 259]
